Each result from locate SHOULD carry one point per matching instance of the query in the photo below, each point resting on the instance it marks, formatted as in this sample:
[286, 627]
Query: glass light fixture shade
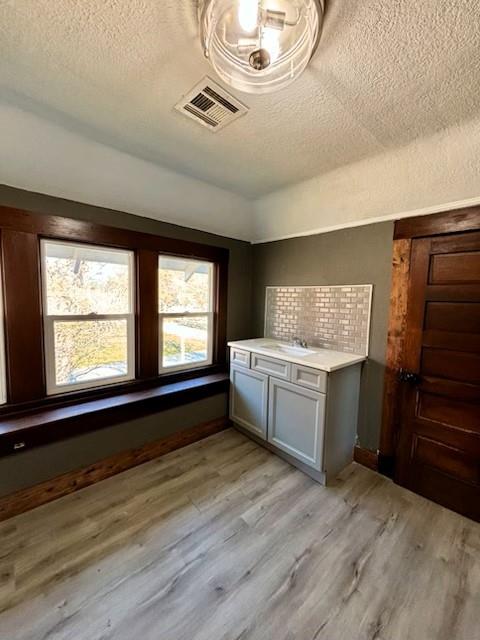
[260, 46]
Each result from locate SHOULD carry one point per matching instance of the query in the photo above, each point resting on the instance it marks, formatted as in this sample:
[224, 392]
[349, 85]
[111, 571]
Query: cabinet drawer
[239, 357]
[271, 366]
[309, 378]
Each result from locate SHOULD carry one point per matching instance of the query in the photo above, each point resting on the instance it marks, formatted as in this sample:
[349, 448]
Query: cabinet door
[249, 400]
[296, 421]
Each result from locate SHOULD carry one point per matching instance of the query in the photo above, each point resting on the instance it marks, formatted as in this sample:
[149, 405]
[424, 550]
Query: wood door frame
[407, 230]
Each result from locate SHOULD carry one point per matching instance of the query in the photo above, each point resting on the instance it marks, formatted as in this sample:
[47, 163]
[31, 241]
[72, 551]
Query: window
[81, 311]
[186, 313]
[88, 315]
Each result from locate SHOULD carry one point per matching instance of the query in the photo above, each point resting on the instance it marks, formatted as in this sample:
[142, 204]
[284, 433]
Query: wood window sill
[39, 427]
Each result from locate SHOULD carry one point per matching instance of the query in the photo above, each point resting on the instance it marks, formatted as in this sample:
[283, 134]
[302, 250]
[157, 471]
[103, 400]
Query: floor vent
[210, 105]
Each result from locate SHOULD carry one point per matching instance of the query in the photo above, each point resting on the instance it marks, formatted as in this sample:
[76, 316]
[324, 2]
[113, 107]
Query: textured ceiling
[387, 72]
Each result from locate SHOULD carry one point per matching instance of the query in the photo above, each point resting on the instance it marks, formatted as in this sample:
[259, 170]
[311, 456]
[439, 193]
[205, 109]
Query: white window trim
[189, 314]
[49, 322]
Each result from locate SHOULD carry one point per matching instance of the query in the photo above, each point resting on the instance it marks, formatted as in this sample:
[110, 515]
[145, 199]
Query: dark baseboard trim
[366, 457]
[31, 497]
[386, 465]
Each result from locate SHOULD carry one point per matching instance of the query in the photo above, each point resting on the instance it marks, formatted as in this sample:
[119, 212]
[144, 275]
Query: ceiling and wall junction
[384, 122]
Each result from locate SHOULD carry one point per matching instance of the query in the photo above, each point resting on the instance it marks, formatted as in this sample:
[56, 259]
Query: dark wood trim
[411, 345]
[386, 464]
[221, 300]
[456, 221]
[107, 391]
[23, 316]
[147, 314]
[22, 432]
[32, 497]
[20, 232]
[395, 346]
[366, 457]
[81, 231]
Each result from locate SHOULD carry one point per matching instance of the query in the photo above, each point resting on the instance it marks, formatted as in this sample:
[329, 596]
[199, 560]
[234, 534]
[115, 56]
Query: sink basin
[287, 349]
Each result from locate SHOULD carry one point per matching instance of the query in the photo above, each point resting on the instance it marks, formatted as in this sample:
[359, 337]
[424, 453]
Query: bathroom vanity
[301, 403]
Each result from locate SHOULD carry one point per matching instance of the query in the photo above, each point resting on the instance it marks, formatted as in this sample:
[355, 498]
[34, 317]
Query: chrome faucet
[298, 342]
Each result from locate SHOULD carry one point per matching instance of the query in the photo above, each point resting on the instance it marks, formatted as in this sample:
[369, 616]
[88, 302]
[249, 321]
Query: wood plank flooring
[222, 540]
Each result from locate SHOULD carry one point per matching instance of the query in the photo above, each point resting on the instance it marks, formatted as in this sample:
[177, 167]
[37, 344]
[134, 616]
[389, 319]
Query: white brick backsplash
[331, 317]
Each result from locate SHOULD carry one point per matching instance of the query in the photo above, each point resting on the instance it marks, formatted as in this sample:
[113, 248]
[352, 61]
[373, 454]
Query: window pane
[184, 285]
[185, 341]
[90, 350]
[82, 279]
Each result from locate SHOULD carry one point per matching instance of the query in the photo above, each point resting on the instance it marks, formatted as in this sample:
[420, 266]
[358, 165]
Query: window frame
[210, 315]
[20, 235]
[52, 387]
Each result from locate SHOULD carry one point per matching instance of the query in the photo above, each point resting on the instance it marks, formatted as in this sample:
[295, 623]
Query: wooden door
[438, 453]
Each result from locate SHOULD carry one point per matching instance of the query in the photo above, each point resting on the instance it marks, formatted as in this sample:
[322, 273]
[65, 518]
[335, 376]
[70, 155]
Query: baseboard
[366, 457]
[31, 497]
[386, 465]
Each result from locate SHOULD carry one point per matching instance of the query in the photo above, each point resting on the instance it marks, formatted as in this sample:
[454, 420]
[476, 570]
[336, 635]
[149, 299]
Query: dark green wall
[29, 467]
[360, 255]
[240, 264]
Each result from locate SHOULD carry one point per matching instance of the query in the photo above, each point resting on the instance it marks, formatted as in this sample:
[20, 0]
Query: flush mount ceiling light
[259, 46]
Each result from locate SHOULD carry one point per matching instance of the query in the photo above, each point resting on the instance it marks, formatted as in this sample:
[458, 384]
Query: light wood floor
[224, 541]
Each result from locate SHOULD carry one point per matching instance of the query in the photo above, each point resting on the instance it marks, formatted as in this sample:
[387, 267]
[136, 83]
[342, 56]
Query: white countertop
[323, 359]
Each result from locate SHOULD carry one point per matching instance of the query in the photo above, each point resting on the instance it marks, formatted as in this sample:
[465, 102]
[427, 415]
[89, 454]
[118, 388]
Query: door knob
[409, 376]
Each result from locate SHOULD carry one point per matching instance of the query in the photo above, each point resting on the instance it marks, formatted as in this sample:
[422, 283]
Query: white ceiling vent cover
[210, 105]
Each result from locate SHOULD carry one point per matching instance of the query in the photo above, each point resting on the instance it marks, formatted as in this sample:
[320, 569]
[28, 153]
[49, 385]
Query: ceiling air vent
[210, 105]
